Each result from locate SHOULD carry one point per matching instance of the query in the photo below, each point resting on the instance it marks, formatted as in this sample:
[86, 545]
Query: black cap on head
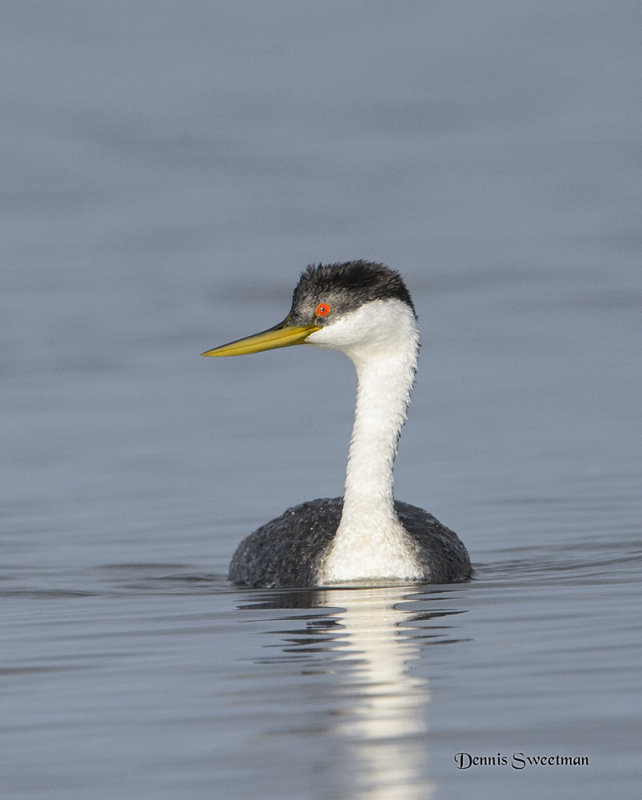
[346, 287]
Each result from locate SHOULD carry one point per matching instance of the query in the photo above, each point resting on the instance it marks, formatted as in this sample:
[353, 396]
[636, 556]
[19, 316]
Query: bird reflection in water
[369, 641]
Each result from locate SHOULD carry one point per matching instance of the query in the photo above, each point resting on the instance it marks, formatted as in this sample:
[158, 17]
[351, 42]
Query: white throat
[382, 340]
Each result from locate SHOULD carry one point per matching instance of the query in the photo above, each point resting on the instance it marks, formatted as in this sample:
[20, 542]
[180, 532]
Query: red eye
[322, 310]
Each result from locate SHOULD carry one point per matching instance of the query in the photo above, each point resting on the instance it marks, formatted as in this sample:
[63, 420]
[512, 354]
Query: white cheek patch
[372, 325]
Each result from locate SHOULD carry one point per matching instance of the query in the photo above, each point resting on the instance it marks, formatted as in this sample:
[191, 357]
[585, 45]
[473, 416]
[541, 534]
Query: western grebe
[365, 310]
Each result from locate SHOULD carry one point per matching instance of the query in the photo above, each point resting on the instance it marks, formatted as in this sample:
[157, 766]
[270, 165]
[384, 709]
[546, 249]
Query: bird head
[336, 306]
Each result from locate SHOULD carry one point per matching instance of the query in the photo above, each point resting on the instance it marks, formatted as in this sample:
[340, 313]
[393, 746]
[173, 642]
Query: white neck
[370, 541]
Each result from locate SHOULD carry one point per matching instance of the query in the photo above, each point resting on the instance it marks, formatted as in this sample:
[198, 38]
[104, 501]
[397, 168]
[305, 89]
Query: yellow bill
[282, 335]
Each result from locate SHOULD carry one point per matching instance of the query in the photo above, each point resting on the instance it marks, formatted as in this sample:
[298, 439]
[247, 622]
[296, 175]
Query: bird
[364, 310]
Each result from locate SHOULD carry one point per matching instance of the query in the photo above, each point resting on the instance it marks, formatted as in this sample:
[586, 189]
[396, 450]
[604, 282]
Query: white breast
[382, 339]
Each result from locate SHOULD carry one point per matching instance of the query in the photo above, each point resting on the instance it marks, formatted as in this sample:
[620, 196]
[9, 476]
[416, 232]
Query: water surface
[169, 168]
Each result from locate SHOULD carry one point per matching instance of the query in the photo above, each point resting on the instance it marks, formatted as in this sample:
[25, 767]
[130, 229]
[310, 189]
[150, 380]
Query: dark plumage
[286, 551]
[345, 287]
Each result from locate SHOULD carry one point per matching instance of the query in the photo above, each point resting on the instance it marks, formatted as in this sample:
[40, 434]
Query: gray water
[168, 169]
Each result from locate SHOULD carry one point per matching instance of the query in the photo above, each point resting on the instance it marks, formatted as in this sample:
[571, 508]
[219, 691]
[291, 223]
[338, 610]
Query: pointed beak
[282, 335]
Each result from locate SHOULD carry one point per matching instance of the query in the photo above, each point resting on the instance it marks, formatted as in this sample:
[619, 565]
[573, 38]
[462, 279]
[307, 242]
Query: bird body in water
[365, 310]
